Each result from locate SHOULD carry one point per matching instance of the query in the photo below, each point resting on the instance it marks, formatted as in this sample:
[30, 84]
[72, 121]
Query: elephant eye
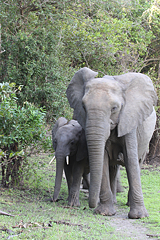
[55, 142]
[72, 143]
[83, 106]
[114, 109]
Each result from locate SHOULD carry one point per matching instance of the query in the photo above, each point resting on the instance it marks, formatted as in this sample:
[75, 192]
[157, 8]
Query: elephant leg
[106, 206]
[129, 192]
[119, 185]
[86, 180]
[137, 208]
[128, 202]
[73, 199]
[69, 176]
[113, 171]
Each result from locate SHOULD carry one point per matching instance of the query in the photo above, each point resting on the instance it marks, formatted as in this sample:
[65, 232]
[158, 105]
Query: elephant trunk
[58, 180]
[96, 138]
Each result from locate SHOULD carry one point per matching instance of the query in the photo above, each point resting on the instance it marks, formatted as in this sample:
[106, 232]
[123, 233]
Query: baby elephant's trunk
[58, 179]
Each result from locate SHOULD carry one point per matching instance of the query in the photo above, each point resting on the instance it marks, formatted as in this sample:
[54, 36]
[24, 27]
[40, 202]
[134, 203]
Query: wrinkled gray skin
[117, 112]
[69, 140]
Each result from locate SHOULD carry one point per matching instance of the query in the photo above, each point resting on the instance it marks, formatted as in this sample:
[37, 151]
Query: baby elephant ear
[140, 97]
[59, 123]
[76, 125]
[75, 92]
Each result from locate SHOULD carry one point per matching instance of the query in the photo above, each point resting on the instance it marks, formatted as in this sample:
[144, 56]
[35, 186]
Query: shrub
[22, 129]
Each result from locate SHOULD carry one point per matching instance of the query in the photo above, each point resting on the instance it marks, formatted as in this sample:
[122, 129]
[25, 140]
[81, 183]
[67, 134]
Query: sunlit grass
[150, 180]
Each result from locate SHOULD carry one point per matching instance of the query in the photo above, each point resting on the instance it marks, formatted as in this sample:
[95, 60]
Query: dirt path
[129, 228]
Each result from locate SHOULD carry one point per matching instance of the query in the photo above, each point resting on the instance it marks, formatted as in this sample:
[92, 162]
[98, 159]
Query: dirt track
[128, 228]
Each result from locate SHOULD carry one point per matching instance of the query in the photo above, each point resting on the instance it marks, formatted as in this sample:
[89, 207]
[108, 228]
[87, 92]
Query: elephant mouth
[112, 125]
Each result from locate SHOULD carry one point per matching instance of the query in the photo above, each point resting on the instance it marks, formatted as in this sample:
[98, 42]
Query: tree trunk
[11, 172]
[153, 157]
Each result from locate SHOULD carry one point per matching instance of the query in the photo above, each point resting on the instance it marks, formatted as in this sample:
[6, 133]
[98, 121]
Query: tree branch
[152, 59]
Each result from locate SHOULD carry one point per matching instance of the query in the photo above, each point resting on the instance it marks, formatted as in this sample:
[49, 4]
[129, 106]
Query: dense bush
[30, 61]
[21, 130]
[44, 42]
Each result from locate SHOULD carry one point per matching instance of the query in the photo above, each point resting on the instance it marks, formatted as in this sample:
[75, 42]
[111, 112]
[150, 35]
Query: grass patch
[37, 219]
[151, 190]
[150, 179]
[46, 220]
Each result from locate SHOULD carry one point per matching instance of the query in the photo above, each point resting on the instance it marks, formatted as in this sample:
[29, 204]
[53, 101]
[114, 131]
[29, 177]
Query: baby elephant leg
[75, 187]
[113, 170]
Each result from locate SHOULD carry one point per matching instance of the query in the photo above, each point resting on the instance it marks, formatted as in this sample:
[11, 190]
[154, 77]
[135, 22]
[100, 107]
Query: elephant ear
[140, 97]
[75, 92]
[76, 125]
[82, 151]
[60, 122]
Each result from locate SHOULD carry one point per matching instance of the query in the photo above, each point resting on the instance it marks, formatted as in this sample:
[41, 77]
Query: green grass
[150, 179]
[29, 205]
[151, 191]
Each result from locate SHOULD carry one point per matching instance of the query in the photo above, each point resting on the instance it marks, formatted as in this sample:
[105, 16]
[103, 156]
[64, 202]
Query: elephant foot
[105, 209]
[53, 200]
[138, 212]
[73, 201]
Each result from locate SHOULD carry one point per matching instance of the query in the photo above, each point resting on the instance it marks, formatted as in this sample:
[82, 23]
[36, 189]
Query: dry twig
[7, 214]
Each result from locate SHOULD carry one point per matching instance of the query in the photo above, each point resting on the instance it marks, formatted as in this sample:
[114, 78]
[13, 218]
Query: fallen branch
[153, 235]
[67, 223]
[7, 214]
[33, 225]
[52, 160]
[11, 236]
[7, 230]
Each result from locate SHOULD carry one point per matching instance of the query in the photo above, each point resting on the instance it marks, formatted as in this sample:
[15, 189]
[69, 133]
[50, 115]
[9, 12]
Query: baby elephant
[71, 155]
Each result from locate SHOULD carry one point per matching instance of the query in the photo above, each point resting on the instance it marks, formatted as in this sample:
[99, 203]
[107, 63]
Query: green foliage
[45, 42]
[21, 128]
[21, 125]
[152, 17]
[33, 57]
[36, 69]
[105, 41]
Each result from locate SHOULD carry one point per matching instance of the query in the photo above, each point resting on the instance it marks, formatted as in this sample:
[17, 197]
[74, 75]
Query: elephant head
[69, 144]
[103, 104]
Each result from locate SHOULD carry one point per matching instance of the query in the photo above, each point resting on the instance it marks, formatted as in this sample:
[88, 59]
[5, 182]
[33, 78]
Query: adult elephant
[118, 112]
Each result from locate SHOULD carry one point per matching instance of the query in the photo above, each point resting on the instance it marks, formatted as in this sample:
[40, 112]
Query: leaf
[2, 153]
[11, 154]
